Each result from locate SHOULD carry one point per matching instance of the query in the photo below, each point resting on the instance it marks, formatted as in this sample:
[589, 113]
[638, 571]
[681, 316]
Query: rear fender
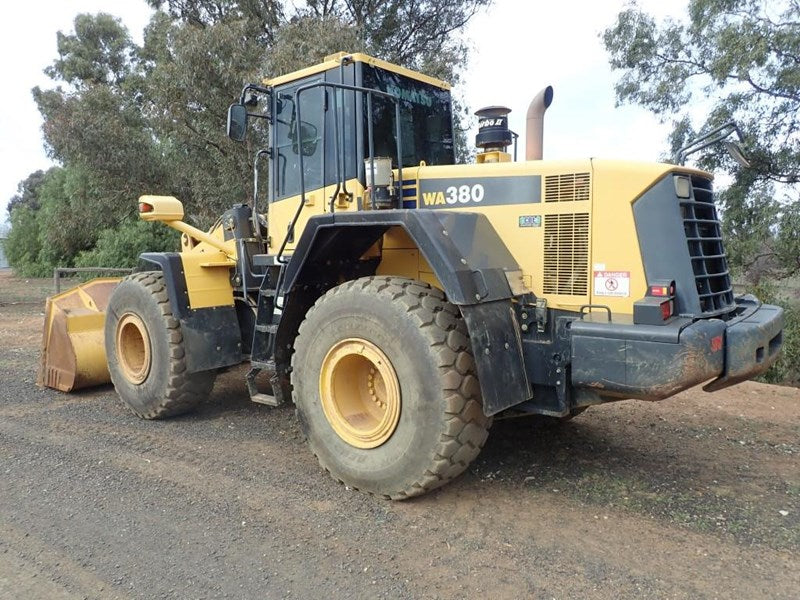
[475, 268]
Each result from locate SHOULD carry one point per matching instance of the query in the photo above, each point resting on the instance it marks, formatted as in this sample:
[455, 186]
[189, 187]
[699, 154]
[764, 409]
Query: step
[265, 399]
[268, 366]
[267, 328]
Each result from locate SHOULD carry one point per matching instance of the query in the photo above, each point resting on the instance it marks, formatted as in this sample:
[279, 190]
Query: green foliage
[27, 192]
[787, 369]
[125, 120]
[98, 53]
[22, 245]
[121, 246]
[740, 59]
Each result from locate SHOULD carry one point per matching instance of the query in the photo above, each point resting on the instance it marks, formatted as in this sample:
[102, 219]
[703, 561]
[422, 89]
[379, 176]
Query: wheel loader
[402, 301]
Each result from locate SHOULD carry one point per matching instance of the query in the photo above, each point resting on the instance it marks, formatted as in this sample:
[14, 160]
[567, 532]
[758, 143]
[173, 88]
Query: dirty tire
[441, 427]
[167, 390]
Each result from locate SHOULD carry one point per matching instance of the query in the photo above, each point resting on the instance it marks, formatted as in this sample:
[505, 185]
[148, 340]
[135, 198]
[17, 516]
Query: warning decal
[612, 283]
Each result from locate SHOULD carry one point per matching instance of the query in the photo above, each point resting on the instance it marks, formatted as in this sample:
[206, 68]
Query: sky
[518, 47]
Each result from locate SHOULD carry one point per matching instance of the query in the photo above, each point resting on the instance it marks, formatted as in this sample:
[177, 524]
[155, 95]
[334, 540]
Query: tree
[27, 192]
[741, 60]
[123, 120]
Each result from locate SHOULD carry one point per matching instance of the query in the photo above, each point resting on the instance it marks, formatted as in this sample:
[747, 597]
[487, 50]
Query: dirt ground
[696, 496]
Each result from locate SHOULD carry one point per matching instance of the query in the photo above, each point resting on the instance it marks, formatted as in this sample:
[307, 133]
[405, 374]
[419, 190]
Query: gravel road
[694, 497]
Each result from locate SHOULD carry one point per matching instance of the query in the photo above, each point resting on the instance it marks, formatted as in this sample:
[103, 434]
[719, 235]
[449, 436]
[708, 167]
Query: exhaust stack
[534, 128]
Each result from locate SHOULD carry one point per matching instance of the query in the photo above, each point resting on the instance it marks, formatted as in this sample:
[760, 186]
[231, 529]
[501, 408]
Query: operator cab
[322, 117]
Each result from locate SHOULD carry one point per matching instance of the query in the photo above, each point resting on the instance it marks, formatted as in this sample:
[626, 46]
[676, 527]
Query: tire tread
[465, 427]
[184, 390]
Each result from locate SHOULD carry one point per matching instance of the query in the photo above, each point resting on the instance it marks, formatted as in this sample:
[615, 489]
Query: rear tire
[145, 351]
[385, 387]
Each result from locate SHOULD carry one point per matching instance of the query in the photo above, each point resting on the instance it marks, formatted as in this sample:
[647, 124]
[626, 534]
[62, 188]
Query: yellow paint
[73, 343]
[360, 393]
[207, 286]
[165, 208]
[615, 186]
[494, 156]
[207, 258]
[402, 262]
[282, 212]
[401, 257]
[524, 243]
[332, 62]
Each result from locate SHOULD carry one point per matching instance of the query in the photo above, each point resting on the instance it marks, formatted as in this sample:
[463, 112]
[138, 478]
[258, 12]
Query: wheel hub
[360, 393]
[133, 348]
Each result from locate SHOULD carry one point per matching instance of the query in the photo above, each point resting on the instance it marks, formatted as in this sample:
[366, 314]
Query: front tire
[385, 388]
[145, 351]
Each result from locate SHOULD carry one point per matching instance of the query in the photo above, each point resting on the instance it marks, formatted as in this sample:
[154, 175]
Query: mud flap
[497, 346]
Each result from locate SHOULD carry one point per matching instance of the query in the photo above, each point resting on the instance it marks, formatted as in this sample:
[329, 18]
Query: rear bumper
[752, 343]
[654, 362]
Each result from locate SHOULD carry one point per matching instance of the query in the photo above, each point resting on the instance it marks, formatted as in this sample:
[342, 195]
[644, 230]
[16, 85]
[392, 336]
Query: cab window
[295, 136]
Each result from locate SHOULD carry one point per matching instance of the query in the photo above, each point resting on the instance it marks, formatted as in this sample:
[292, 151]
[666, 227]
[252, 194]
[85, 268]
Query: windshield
[426, 120]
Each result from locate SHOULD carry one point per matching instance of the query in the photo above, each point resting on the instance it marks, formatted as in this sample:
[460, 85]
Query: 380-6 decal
[471, 191]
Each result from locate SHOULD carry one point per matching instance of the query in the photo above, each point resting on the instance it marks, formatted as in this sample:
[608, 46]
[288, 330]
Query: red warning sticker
[612, 283]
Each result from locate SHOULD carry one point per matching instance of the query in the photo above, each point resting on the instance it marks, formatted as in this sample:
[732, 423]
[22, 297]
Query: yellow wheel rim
[133, 348]
[360, 393]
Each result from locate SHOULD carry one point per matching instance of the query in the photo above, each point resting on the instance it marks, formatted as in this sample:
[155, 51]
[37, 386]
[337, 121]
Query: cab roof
[333, 61]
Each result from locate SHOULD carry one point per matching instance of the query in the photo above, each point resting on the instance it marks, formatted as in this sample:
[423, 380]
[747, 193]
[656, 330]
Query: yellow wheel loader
[401, 301]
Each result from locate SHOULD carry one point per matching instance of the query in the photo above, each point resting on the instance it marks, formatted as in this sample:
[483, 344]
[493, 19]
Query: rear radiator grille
[570, 187]
[704, 237]
[566, 254]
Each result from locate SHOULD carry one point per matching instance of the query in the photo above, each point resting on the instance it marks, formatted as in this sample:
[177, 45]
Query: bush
[22, 247]
[122, 246]
[786, 371]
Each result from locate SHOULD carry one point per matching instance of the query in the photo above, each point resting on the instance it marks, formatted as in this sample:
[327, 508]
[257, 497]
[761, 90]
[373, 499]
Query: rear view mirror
[237, 122]
[737, 153]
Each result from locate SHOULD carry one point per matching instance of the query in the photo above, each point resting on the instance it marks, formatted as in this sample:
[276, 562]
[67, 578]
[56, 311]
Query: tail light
[658, 306]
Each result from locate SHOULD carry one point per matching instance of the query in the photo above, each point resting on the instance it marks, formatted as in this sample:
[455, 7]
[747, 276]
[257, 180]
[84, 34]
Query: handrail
[340, 176]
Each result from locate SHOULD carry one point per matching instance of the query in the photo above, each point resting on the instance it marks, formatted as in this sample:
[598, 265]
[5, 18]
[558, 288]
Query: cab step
[252, 387]
[266, 399]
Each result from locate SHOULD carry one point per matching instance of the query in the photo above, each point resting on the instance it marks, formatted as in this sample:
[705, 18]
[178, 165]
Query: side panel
[212, 336]
[547, 237]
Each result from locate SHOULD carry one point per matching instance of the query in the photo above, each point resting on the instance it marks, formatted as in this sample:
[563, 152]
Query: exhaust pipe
[534, 128]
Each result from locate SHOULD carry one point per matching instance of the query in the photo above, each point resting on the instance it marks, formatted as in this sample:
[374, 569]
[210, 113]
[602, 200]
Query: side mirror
[308, 139]
[237, 122]
[737, 153]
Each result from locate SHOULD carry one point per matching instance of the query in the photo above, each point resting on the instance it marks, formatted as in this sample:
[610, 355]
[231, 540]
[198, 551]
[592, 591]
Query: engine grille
[566, 254]
[704, 237]
[569, 187]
